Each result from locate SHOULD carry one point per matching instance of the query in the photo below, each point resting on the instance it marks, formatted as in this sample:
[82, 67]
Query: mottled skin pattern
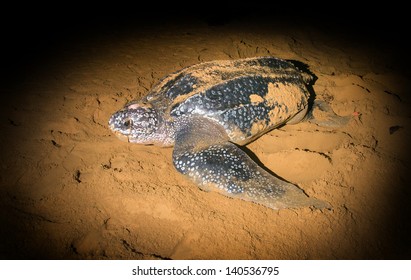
[203, 109]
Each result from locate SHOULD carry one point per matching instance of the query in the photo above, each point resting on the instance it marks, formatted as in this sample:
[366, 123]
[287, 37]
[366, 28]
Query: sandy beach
[69, 189]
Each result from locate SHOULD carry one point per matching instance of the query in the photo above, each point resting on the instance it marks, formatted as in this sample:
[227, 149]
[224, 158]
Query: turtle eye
[128, 123]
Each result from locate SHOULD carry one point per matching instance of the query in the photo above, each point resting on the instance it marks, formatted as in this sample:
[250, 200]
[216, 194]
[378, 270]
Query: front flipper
[203, 153]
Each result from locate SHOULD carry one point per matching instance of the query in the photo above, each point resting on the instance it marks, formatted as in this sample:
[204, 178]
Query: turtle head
[137, 122]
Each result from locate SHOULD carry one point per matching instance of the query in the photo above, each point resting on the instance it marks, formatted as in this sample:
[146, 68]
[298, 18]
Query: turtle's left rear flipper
[203, 153]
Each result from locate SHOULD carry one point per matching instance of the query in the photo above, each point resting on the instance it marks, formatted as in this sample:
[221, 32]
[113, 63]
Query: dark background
[33, 34]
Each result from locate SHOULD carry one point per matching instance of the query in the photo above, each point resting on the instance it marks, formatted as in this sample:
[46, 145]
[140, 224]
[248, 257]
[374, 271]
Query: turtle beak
[122, 137]
[117, 133]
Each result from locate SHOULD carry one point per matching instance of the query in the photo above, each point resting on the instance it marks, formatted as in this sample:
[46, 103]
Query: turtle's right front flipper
[202, 153]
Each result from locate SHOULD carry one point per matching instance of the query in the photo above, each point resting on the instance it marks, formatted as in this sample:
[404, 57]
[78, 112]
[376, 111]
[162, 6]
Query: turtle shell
[247, 97]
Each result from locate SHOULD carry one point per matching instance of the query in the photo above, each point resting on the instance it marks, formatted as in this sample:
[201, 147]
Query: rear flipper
[322, 114]
[203, 153]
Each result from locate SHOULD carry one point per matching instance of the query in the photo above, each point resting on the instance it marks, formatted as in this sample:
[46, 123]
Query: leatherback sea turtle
[207, 110]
